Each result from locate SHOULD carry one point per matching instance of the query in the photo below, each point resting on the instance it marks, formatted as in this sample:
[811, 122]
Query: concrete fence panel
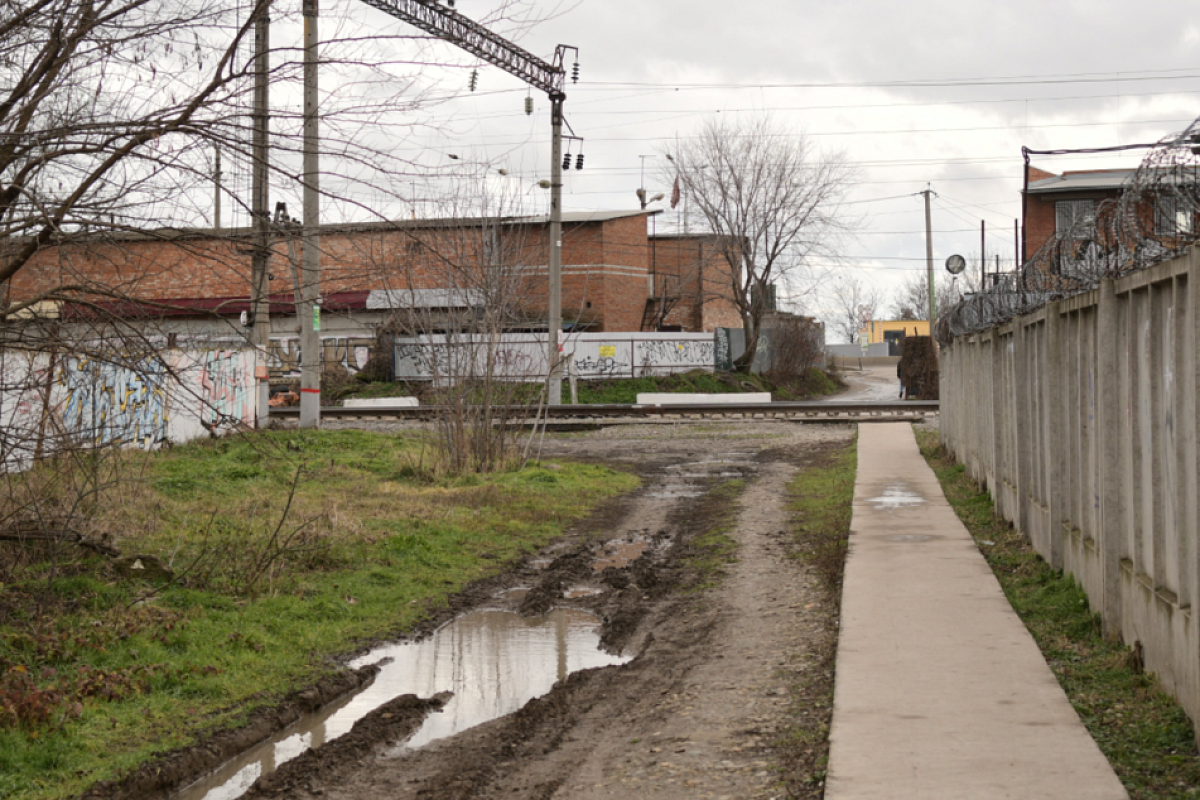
[1081, 420]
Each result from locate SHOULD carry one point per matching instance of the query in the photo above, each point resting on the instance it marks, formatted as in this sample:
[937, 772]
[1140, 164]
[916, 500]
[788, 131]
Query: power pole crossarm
[466, 34]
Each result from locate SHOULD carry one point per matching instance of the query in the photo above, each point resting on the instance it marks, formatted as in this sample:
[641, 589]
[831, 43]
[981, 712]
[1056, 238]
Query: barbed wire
[1154, 219]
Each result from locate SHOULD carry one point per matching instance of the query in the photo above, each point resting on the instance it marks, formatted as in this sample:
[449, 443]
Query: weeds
[713, 549]
[820, 498]
[1144, 733]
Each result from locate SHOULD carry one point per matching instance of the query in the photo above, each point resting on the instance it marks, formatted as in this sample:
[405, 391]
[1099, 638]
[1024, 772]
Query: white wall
[522, 356]
[74, 399]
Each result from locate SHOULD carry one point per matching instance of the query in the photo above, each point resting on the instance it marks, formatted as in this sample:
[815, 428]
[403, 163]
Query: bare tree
[771, 199]
[911, 298]
[852, 301]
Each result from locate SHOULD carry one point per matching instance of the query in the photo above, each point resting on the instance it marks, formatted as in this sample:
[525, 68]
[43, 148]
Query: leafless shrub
[797, 345]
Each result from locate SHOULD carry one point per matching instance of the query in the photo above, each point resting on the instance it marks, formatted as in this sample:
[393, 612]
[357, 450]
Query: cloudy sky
[925, 92]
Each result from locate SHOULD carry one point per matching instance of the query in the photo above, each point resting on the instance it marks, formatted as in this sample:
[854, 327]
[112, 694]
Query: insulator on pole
[528, 104]
[474, 79]
[566, 161]
[579, 161]
[575, 72]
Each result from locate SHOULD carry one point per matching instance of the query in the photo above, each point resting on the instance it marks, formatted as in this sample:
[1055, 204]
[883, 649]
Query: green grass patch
[1142, 731]
[820, 498]
[99, 674]
[711, 551]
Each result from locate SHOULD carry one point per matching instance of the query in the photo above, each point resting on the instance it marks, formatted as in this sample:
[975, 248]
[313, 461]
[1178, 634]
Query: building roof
[179, 234]
[1090, 181]
[576, 217]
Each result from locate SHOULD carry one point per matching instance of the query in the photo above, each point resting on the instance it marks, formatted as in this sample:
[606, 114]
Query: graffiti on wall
[350, 353]
[523, 356]
[105, 403]
[605, 366]
[226, 386]
[676, 353]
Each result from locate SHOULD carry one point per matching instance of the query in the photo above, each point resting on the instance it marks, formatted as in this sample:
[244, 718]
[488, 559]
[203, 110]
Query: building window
[1075, 218]
[1173, 216]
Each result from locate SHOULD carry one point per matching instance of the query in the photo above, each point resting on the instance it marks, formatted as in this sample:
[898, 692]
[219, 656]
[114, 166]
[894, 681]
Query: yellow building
[882, 330]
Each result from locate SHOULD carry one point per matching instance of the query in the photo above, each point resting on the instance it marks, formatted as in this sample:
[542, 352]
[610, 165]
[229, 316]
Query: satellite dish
[955, 265]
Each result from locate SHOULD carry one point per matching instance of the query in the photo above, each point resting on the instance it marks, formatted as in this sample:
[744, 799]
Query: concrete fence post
[1189, 380]
[1108, 427]
[1024, 429]
[1056, 432]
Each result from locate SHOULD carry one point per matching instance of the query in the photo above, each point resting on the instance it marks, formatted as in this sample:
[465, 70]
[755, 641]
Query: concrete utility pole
[309, 312]
[468, 35]
[260, 314]
[554, 324]
[929, 262]
[216, 188]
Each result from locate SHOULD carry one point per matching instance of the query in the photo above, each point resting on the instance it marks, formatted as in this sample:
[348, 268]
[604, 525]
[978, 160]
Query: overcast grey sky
[921, 92]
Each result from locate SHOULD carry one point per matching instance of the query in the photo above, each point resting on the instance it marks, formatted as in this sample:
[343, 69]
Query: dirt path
[709, 735]
[700, 709]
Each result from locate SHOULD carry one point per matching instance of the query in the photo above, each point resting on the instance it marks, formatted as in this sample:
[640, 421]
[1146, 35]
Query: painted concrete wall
[523, 356]
[1081, 419]
[73, 400]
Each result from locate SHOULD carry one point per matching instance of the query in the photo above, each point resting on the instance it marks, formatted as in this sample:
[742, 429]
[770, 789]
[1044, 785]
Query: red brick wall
[1040, 215]
[605, 280]
[693, 268]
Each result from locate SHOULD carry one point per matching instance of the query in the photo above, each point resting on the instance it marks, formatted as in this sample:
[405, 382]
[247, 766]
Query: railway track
[569, 415]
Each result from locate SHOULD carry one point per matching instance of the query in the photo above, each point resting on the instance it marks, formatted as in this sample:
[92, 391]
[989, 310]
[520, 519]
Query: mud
[706, 696]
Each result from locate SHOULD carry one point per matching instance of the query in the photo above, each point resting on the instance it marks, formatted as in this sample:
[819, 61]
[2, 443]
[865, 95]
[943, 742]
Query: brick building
[693, 289]
[1068, 205]
[616, 277]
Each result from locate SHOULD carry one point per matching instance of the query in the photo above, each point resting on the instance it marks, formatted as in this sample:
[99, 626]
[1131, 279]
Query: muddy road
[680, 682]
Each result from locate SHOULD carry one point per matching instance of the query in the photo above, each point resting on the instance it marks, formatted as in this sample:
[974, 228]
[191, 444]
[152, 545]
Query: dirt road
[699, 710]
[870, 385]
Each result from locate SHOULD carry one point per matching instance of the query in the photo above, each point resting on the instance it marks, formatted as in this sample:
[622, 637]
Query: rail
[794, 411]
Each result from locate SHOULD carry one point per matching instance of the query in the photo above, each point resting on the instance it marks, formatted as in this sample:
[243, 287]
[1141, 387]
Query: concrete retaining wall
[1081, 419]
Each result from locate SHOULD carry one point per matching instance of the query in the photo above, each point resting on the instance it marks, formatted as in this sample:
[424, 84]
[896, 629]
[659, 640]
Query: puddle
[895, 497]
[677, 490]
[517, 594]
[493, 661]
[695, 476]
[540, 563]
[619, 554]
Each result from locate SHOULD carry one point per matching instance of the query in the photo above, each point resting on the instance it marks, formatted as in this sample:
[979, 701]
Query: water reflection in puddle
[895, 497]
[493, 661]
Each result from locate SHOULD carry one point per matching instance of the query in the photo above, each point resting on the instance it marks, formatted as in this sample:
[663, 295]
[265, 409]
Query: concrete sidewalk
[941, 692]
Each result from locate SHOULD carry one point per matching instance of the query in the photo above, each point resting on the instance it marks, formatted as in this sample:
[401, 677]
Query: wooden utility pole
[310, 308]
[260, 256]
[982, 252]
